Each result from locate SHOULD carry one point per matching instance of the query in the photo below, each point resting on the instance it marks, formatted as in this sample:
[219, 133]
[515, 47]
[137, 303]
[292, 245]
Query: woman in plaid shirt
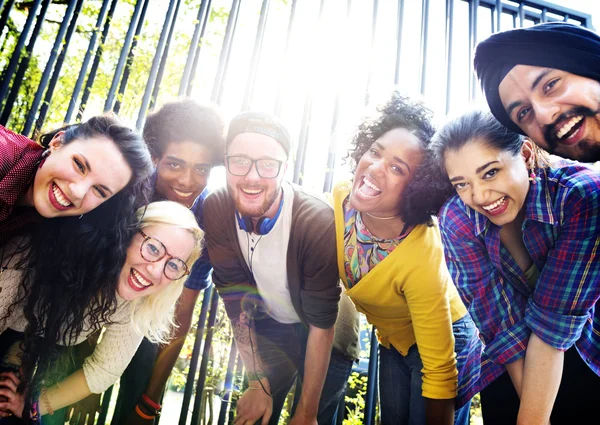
[521, 237]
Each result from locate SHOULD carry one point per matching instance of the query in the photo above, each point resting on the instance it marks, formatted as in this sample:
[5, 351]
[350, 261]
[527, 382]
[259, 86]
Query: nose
[78, 190]
[377, 167]
[155, 270]
[478, 194]
[186, 178]
[546, 111]
[253, 174]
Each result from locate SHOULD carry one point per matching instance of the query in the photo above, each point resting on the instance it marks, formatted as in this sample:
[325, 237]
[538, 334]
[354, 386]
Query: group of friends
[471, 248]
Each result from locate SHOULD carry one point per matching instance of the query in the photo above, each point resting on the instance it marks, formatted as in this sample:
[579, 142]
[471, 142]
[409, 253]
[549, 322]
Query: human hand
[253, 405]
[13, 402]
[84, 411]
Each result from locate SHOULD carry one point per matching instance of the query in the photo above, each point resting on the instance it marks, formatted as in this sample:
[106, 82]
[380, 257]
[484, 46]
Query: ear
[527, 152]
[155, 160]
[56, 141]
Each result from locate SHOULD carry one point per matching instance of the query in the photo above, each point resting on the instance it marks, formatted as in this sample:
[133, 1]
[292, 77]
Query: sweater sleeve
[425, 291]
[111, 356]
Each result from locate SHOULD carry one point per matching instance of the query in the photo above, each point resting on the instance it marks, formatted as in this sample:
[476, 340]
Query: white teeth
[252, 192]
[370, 184]
[59, 196]
[182, 194]
[568, 126]
[138, 278]
[495, 205]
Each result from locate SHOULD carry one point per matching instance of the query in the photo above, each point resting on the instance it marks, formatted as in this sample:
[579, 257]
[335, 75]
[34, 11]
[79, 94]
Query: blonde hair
[152, 315]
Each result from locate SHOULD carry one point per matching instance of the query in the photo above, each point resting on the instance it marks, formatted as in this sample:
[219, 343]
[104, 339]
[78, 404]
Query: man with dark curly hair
[186, 139]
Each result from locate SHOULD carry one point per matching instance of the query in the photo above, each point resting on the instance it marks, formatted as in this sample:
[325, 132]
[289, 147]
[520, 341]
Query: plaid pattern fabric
[561, 232]
[19, 159]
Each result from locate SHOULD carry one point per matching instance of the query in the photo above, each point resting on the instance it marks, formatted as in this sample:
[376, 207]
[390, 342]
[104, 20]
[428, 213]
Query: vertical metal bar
[492, 20]
[514, 24]
[90, 80]
[424, 33]
[566, 17]
[108, 105]
[86, 60]
[473, 9]
[521, 15]
[189, 384]
[544, 14]
[57, 68]
[210, 329]
[48, 69]
[371, 395]
[280, 91]
[8, 72]
[18, 80]
[498, 15]
[190, 84]
[5, 12]
[305, 127]
[258, 41]
[225, 49]
[449, 31]
[372, 50]
[155, 63]
[194, 44]
[228, 385]
[399, 27]
[130, 56]
[105, 405]
[163, 60]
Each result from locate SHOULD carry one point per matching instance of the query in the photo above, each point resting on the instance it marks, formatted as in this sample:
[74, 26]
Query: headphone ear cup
[248, 227]
[262, 226]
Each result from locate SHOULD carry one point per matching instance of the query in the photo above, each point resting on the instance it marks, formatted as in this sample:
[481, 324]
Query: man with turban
[544, 82]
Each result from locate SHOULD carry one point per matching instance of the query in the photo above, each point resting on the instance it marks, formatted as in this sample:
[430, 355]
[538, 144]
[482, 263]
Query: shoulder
[13, 147]
[574, 177]
[216, 202]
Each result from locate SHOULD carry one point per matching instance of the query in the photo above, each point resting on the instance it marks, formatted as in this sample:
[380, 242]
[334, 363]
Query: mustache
[551, 129]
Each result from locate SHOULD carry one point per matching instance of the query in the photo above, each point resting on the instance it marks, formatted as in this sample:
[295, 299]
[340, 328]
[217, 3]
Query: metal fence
[316, 64]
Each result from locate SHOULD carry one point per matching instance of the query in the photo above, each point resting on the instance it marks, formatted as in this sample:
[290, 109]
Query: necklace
[381, 218]
[4, 267]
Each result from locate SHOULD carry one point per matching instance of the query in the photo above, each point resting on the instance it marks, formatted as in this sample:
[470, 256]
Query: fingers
[8, 383]
[267, 416]
[6, 377]
[91, 418]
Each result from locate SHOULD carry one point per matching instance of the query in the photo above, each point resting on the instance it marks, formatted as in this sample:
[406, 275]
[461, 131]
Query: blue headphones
[264, 224]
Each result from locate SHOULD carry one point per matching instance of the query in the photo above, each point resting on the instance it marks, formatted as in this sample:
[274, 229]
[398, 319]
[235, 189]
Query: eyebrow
[477, 171]
[400, 160]
[535, 83]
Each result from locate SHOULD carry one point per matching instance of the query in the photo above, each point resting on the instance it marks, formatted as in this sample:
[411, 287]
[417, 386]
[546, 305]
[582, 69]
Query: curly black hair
[184, 120]
[400, 111]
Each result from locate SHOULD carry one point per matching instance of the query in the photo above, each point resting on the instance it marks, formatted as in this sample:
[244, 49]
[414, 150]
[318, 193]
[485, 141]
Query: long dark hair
[72, 264]
[399, 111]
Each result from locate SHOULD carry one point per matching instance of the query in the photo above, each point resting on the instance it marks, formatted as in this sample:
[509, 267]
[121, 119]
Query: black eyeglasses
[153, 250]
[266, 168]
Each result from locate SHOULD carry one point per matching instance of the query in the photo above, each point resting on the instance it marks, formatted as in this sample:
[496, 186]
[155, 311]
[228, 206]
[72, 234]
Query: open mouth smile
[58, 199]
[368, 188]
[182, 194]
[497, 207]
[137, 282]
[568, 131]
[250, 191]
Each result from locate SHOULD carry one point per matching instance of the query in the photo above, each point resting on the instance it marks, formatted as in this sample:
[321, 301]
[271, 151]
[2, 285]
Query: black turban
[555, 45]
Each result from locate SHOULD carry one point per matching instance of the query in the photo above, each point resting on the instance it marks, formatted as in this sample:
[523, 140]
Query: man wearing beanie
[272, 247]
[544, 82]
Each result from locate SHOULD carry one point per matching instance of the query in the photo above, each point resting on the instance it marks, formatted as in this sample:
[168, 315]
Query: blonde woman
[159, 258]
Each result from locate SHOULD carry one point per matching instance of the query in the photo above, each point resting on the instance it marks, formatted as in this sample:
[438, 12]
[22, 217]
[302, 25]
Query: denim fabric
[400, 381]
[283, 347]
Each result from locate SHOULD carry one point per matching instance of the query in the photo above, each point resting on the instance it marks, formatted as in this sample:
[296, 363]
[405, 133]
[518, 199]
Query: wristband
[151, 403]
[142, 414]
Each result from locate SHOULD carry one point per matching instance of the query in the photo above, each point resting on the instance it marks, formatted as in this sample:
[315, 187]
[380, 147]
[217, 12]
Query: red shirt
[19, 160]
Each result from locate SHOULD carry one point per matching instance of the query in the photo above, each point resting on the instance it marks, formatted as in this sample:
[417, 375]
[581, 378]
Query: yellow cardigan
[410, 298]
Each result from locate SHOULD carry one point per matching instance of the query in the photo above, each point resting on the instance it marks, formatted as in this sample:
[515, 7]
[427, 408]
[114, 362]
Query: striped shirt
[561, 231]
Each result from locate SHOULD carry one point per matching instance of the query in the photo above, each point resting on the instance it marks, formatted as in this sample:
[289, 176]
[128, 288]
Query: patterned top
[362, 250]
[19, 159]
[561, 232]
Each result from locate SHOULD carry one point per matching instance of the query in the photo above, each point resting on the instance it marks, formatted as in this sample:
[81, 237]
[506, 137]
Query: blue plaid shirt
[561, 232]
[199, 277]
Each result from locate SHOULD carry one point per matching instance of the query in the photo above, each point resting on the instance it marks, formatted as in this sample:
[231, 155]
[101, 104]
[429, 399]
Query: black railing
[23, 22]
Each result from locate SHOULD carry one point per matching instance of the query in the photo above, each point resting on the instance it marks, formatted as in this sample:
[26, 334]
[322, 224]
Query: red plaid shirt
[19, 159]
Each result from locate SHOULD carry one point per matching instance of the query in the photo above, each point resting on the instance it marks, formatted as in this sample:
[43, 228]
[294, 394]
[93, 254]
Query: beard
[270, 196]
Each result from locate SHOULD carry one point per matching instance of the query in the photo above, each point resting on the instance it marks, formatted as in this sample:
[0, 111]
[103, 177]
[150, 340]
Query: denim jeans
[401, 380]
[282, 348]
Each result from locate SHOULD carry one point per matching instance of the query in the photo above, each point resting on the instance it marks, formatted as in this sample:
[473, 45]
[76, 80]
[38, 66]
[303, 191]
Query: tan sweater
[112, 354]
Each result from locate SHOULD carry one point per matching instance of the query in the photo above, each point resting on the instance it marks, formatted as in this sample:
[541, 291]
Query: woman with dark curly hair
[391, 261]
[521, 237]
[69, 173]
[162, 249]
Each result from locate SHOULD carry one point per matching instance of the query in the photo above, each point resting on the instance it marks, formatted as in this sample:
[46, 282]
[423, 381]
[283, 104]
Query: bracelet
[46, 402]
[33, 413]
[142, 414]
[151, 403]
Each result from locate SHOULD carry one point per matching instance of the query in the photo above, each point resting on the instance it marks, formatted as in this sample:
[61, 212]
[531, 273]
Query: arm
[318, 352]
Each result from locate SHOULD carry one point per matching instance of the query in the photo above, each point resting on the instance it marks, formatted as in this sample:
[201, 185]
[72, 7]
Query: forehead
[522, 79]
[188, 151]
[255, 145]
[179, 242]
[471, 156]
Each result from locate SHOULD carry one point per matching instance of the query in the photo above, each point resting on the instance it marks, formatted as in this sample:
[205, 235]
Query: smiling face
[78, 176]
[492, 182]
[384, 171]
[183, 171]
[558, 110]
[140, 278]
[255, 196]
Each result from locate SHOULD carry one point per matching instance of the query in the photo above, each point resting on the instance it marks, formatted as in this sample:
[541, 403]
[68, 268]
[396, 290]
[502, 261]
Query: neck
[383, 229]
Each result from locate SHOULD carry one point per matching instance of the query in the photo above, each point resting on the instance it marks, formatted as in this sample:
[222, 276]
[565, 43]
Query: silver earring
[46, 153]
[80, 216]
